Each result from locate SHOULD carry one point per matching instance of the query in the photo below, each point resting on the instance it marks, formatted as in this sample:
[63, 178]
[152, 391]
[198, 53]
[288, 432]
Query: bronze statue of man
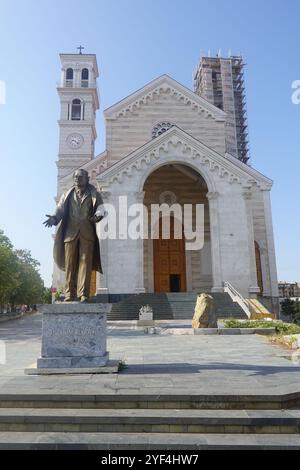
[76, 247]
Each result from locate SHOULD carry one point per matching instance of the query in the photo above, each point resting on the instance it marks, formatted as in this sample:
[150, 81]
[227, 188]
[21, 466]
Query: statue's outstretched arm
[56, 218]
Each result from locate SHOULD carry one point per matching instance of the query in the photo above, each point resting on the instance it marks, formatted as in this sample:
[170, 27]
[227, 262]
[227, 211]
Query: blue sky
[136, 41]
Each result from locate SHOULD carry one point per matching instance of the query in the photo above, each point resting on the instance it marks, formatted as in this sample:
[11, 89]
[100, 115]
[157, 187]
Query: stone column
[125, 255]
[215, 241]
[265, 278]
[253, 287]
[270, 242]
[102, 286]
[188, 269]
[77, 77]
[150, 263]
[140, 288]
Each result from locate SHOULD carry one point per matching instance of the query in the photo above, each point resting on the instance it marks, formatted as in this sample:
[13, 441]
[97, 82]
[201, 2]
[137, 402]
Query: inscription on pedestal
[74, 335]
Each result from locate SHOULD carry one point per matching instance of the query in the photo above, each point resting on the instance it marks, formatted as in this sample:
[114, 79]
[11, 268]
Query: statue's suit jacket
[69, 227]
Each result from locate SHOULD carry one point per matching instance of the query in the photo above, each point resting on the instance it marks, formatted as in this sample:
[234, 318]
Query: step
[172, 305]
[151, 401]
[149, 421]
[159, 310]
[144, 441]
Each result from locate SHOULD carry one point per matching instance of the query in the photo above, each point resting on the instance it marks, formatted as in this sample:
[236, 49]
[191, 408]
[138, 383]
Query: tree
[9, 275]
[31, 288]
[297, 311]
[47, 296]
[287, 307]
[20, 280]
[291, 308]
[5, 241]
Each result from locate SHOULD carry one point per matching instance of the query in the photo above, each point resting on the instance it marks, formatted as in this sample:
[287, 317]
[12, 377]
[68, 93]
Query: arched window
[76, 110]
[69, 77]
[160, 128]
[85, 78]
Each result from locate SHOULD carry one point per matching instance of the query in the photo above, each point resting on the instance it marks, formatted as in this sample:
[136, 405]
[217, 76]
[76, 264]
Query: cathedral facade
[165, 144]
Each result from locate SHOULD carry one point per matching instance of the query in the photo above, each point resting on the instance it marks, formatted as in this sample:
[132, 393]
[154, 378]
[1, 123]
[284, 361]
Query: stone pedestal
[74, 337]
[146, 316]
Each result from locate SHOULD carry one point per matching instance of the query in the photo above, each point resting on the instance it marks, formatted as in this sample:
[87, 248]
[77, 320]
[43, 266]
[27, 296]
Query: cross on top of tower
[80, 49]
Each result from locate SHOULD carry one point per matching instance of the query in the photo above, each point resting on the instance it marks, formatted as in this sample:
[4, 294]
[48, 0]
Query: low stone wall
[14, 315]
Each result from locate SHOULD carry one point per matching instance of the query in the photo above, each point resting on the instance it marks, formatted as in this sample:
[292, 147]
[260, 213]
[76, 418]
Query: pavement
[156, 364]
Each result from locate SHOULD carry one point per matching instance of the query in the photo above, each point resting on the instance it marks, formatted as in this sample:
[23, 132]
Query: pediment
[164, 84]
[175, 141]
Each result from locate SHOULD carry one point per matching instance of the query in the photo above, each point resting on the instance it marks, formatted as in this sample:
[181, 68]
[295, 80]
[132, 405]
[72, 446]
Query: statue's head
[81, 179]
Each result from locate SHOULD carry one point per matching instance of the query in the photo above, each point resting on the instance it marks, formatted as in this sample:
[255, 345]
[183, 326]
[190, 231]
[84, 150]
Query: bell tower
[79, 101]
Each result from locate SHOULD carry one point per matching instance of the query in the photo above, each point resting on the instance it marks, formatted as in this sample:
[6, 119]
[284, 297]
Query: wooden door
[169, 262]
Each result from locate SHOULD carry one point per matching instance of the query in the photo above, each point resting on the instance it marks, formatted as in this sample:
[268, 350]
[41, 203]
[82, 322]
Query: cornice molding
[167, 85]
[194, 150]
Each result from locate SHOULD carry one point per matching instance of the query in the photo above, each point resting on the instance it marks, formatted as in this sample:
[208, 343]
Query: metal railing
[237, 297]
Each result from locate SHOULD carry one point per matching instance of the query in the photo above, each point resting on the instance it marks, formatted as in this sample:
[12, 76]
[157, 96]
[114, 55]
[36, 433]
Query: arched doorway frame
[213, 214]
[179, 161]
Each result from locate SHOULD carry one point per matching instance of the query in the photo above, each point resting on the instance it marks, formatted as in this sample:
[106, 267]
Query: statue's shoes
[83, 299]
[69, 299]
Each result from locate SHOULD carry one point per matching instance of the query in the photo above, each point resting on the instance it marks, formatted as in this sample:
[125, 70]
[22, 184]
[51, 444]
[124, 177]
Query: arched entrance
[167, 265]
[169, 260]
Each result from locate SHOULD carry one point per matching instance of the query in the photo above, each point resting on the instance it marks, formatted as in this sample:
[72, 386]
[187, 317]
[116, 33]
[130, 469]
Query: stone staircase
[167, 422]
[172, 306]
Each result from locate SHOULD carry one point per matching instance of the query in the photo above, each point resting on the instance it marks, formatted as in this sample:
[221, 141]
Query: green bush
[233, 323]
[287, 328]
[280, 328]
